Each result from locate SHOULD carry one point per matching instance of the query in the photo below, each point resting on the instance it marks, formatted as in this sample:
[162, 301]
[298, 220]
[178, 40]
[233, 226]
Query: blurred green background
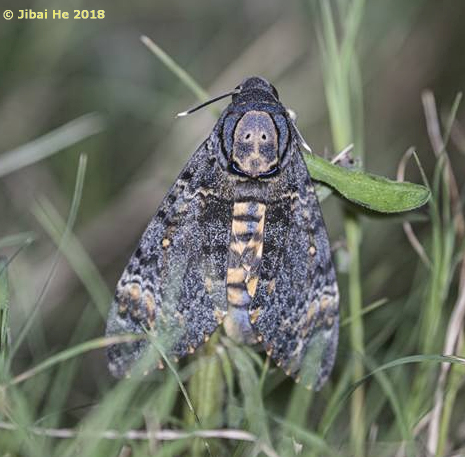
[55, 71]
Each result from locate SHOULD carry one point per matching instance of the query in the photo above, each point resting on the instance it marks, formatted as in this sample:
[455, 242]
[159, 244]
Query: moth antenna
[301, 139]
[208, 102]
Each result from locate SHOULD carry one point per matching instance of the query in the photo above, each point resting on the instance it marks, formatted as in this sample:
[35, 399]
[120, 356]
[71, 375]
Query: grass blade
[69, 225]
[4, 312]
[76, 255]
[51, 143]
[182, 74]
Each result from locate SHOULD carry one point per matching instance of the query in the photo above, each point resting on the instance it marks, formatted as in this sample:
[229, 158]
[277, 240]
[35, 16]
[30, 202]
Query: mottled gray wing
[295, 310]
[174, 283]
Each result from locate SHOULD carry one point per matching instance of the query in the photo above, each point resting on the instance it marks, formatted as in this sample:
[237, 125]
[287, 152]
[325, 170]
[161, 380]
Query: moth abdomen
[245, 251]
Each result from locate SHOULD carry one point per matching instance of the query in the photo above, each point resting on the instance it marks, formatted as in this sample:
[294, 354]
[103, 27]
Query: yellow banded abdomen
[245, 252]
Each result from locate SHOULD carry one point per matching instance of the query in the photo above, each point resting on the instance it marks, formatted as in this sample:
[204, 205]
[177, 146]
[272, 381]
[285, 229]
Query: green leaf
[370, 191]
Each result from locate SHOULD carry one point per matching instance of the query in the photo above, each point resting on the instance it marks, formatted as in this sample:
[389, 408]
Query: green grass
[397, 388]
[345, 102]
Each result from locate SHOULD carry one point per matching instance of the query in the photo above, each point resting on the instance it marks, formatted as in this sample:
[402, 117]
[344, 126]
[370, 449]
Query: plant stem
[345, 104]
[352, 229]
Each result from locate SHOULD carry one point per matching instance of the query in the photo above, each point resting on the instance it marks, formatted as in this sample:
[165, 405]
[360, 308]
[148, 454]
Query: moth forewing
[176, 276]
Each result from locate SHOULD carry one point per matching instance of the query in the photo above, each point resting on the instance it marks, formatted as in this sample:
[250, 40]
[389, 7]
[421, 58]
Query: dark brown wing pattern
[174, 283]
[295, 310]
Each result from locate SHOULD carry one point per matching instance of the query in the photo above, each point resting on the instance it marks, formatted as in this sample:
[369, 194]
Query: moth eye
[264, 136]
[247, 137]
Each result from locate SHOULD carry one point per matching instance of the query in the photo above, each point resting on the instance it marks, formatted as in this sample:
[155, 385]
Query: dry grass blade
[439, 147]
[161, 435]
[343, 155]
[408, 229]
[432, 122]
[454, 329]
[458, 136]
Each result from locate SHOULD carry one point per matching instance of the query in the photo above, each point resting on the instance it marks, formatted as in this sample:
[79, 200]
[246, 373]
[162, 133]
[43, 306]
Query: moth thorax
[255, 147]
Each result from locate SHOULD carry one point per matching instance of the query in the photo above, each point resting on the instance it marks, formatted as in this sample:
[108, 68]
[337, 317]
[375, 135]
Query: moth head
[255, 83]
[255, 130]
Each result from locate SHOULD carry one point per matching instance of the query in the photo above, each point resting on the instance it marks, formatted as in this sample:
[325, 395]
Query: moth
[239, 240]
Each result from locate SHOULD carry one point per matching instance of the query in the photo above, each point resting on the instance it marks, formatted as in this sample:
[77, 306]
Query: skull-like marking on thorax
[255, 148]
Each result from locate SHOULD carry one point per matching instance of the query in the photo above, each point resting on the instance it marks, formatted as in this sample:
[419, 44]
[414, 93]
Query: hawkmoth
[239, 240]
